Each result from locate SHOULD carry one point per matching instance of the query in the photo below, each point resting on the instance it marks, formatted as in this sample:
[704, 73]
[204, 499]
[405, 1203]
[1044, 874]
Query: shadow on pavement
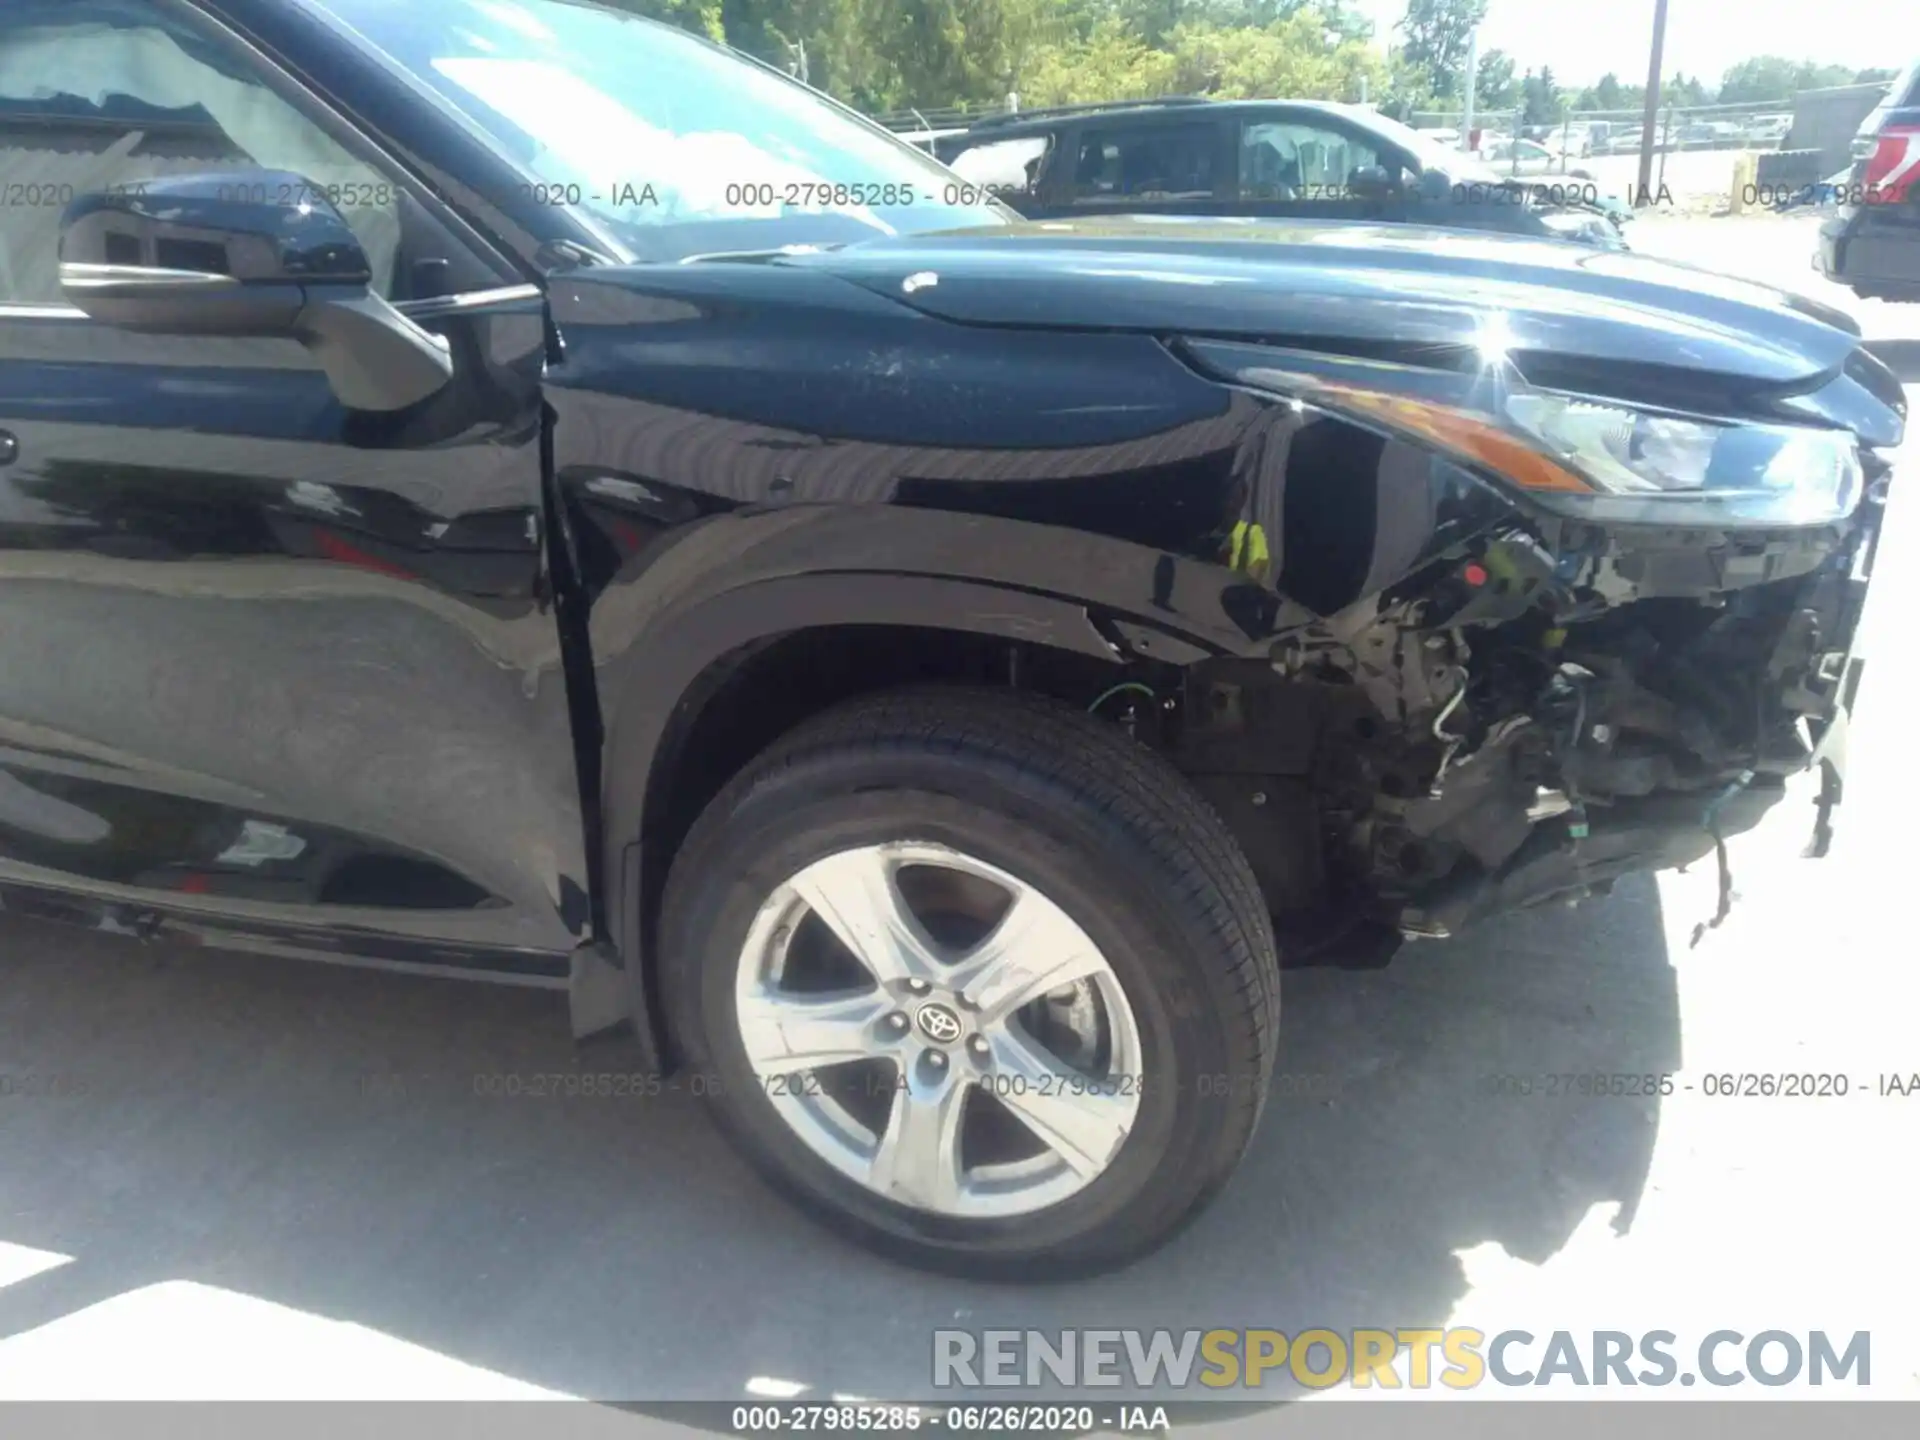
[313, 1136]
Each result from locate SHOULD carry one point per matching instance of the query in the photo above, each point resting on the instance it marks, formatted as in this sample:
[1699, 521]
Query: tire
[1100, 828]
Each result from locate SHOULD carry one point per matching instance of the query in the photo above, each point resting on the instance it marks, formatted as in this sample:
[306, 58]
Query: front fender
[707, 590]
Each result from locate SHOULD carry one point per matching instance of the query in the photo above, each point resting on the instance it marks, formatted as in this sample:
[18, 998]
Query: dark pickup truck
[1268, 160]
[520, 492]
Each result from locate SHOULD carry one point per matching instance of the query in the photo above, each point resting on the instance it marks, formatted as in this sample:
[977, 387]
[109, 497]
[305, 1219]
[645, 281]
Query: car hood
[1386, 291]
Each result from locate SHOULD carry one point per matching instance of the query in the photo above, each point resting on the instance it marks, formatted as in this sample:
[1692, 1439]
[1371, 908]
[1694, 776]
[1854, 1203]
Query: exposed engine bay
[1528, 717]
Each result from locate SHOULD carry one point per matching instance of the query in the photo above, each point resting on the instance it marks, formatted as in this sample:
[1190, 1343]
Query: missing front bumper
[1657, 833]
[1830, 758]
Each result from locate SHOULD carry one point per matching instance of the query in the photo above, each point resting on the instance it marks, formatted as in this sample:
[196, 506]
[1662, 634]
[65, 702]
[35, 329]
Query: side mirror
[247, 253]
[1433, 185]
[1372, 182]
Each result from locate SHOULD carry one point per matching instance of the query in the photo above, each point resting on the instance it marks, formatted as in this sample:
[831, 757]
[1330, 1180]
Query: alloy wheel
[938, 1030]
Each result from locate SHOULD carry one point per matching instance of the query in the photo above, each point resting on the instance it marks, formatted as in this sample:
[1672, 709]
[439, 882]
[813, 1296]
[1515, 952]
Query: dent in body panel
[696, 391]
[260, 648]
[745, 451]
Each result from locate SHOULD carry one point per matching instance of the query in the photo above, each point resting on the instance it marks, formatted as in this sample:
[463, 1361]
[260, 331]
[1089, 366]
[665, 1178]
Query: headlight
[1578, 455]
[1640, 463]
[1602, 460]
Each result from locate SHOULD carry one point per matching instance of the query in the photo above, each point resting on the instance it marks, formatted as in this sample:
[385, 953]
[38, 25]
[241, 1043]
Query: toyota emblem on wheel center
[938, 1023]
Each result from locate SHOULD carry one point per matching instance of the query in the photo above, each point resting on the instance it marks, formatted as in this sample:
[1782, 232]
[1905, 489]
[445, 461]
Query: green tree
[700, 16]
[1408, 89]
[1685, 90]
[1494, 87]
[1764, 78]
[1111, 63]
[1298, 57]
[1155, 20]
[1774, 79]
[1610, 94]
[1540, 98]
[1436, 35]
[893, 53]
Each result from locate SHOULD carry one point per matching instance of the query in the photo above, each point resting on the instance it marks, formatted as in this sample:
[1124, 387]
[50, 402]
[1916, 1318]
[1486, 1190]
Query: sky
[1583, 39]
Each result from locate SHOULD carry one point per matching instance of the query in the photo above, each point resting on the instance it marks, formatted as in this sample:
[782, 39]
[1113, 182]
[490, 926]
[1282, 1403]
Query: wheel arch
[658, 756]
[677, 645]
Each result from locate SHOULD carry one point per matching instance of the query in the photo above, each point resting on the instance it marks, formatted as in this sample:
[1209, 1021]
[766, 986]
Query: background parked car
[1273, 158]
[1573, 141]
[1527, 157]
[1710, 135]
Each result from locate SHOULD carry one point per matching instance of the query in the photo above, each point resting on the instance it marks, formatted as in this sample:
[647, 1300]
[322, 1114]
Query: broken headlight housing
[1644, 466]
[1588, 457]
[1600, 459]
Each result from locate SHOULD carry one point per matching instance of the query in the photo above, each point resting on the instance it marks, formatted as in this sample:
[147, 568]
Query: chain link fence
[951, 117]
[1765, 126]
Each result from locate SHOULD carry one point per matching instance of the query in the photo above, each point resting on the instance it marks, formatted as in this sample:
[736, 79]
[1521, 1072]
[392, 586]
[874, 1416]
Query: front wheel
[977, 978]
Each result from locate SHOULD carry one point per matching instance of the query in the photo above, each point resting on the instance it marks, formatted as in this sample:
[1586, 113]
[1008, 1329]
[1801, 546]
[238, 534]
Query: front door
[1153, 166]
[268, 664]
[1309, 167]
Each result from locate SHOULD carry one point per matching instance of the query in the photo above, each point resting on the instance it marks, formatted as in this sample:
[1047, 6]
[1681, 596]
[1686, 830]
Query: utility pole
[1467, 89]
[1651, 115]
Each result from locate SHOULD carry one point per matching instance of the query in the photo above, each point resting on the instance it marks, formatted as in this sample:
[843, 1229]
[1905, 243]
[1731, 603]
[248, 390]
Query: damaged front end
[1578, 674]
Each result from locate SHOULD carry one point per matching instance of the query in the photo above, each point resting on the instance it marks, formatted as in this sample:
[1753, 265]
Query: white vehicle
[1522, 157]
[1576, 140]
[1006, 168]
[1711, 134]
[928, 140]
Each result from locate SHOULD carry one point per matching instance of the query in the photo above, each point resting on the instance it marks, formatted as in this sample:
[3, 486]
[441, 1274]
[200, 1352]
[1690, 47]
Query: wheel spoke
[854, 894]
[917, 1161]
[783, 1033]
[1080, 1122]
[923, 1019]
[1035, 948]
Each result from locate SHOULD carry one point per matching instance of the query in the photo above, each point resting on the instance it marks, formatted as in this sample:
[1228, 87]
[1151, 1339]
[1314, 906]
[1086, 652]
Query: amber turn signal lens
[1469, 436]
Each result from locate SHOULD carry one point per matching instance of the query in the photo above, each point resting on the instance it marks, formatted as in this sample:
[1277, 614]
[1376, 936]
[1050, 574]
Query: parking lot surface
[291, 1181]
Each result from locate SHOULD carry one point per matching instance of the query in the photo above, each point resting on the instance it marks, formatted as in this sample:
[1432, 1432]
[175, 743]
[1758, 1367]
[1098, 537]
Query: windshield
[675, 146]
[1429, 154]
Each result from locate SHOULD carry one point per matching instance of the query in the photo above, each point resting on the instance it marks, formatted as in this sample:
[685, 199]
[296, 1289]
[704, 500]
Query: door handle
[9, 447]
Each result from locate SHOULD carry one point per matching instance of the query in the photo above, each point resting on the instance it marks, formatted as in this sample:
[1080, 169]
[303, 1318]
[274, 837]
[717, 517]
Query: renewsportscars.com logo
[1459, 1359]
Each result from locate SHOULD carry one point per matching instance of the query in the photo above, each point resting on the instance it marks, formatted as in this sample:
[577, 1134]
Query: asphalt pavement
[284, 1180]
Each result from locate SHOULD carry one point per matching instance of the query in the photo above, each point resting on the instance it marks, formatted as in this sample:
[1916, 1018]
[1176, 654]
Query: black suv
[1872, 245]
[522, 493]
[1293, 159]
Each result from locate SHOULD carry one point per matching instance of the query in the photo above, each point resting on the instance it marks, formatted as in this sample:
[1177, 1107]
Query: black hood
[1369, 289]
